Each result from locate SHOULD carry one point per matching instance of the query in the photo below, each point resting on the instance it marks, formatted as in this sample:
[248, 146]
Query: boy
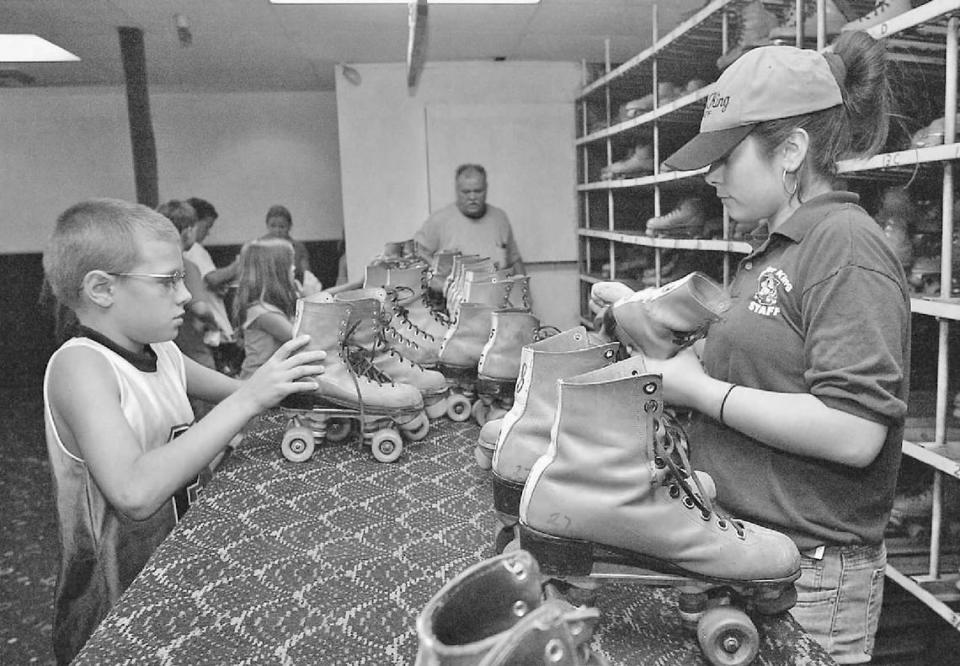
[125, 463]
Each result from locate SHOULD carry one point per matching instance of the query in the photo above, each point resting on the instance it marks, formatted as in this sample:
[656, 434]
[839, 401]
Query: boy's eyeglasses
[168, 280]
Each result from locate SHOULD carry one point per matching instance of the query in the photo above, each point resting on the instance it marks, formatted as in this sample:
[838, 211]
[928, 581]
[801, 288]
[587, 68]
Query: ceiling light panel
[32, 48]
[403, 2]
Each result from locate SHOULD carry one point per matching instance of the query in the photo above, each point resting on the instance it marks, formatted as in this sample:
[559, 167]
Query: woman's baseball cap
[765, 83]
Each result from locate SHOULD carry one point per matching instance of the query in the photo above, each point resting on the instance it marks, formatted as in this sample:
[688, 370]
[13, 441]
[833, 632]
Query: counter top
[329, 561]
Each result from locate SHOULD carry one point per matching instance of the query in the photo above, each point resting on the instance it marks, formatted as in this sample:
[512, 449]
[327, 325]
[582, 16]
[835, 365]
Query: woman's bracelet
[723, 403]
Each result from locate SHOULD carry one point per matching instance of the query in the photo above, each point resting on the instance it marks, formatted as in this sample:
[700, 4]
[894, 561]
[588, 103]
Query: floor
[28, 531]
[909, 633]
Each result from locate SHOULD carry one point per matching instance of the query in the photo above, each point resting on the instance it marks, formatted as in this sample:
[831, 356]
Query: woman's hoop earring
[796, 183]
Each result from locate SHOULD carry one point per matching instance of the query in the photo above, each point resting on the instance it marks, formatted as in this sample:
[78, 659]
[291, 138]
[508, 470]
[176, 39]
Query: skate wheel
[727, 636]
[503, 538]
[780, 603]
[436, 409]
[338, 430]
[418, 428]
[480, 412]
[297, 444]
[458, 408]
[386, 445]
[483, 456]
[496, 412]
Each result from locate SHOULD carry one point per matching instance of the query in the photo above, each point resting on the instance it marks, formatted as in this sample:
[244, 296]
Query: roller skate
[755, 23]
[614, 498]
[911, 513]
[453, 289]
[499, 612]
[499, 365]
[785, 34]
[490, 287]
[661, 321]
[410, 287]
[402, 334]
[519, 294]
[308, 423]
[459, 355]
[379, 352]
[374, 275]
[454, 273]
[567, 341]
[439, 270]
[399, 254]
[523, 434]
[344, 398]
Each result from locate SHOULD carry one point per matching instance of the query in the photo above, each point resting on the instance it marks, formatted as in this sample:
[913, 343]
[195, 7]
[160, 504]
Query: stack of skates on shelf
[591, 475]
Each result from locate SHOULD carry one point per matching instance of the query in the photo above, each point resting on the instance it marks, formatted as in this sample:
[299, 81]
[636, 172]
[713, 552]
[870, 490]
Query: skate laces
[684, 339]
[401, 313]
[360, 359]
[382, 334]
[347, 351]
[670, 443]
[391, 336]
[404, 313]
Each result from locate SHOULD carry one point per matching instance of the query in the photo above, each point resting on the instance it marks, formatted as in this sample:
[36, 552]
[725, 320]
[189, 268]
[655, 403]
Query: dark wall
[323, 258]
[26, 328]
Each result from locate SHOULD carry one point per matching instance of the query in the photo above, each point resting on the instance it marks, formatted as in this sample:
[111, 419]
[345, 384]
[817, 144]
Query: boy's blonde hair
[99, 234]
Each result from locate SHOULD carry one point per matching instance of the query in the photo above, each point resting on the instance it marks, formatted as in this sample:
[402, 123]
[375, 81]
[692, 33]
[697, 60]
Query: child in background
[126, 456]
[199, 317]
[266, 299]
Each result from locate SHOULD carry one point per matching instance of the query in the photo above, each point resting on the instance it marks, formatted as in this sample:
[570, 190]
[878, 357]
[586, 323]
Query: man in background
[470, 225]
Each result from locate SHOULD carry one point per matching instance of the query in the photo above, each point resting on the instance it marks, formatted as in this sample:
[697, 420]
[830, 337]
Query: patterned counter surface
[329, 562]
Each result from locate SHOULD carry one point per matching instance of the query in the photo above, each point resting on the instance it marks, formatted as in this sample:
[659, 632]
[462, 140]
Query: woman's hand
[683, 377]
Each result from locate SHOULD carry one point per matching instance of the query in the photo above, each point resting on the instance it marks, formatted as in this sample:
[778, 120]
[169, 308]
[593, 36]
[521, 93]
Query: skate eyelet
[520, 608]
[553, 651]
[705, 514]
[687, 502]
[722, 524]
[674, 492]
[658, 461]
[650, 388]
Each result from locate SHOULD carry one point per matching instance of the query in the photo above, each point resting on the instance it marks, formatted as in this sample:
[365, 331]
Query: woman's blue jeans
[839, 597]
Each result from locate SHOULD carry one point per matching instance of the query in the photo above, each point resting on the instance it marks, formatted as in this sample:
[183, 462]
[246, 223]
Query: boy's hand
[287, 371]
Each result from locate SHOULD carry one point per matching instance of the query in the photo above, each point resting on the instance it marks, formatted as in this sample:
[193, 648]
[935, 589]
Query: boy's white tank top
[99, 544]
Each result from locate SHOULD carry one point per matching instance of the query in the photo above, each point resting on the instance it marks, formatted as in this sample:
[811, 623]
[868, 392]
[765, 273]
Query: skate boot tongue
[662, 321]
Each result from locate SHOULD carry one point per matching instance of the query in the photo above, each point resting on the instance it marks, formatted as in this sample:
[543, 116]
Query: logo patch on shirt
[187, 495]
[765, 300]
